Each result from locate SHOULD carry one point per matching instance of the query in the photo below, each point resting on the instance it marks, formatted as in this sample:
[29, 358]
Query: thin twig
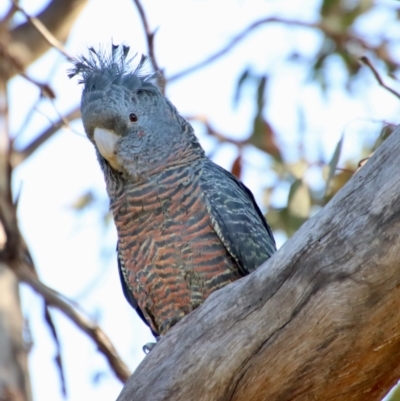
[89, 327]
[28, 117]
[213, 132]
[73, 115]
[47, 35]
[7, 18]
[150, 40]
[149, 33]
[365, 60]
[362, 162]
[45, 89]
[345, 170]
[235, 40]
[338, 37]
[5, 145]
[18, 157]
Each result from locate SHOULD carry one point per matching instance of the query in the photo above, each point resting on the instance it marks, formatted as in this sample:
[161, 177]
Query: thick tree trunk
[14, 377]
[319, 321]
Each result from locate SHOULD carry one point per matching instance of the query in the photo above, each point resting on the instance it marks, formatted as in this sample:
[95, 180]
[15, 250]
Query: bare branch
[45, 89]
[46, 34]
[148, 32]
[7, 18]
[365, 60]
[236, 39]
[14, 374]
[337, 36]
[14, 254]
[14, 65]
[27, 44]
[5, 142]
[17, 157]
[345, 170]
[213, 132]
[150, 40]
[55, 300]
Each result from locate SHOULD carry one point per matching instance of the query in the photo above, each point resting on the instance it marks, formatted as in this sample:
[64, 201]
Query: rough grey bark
[320, 320]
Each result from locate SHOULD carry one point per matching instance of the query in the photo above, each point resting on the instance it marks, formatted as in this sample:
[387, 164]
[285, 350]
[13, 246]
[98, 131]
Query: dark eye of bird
[133, 117]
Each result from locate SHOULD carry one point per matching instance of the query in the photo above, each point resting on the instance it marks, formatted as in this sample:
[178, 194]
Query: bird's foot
[149, 346]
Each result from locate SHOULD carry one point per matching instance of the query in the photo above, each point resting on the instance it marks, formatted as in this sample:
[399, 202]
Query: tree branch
[14, 254]
[148, 32]
[12, 65]
[365, 60]
[150, 41]
[7, 17]
[46, 34]
[17, 157]
[318, 321]
[211, 131]
[27, 43]
[14, 373]
[90, 328]
[337, 36]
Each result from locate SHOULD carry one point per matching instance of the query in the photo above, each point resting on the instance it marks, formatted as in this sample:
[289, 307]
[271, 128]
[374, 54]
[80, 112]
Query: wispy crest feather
[115, 66]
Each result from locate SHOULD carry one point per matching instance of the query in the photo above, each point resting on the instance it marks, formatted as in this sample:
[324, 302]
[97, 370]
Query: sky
[74, 252]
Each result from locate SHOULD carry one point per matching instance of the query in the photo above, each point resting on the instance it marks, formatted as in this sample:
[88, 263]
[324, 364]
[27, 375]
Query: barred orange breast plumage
[186, 227]
[173, 259]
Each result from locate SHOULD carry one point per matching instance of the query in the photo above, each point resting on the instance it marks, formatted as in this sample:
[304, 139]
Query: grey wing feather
[236, 218]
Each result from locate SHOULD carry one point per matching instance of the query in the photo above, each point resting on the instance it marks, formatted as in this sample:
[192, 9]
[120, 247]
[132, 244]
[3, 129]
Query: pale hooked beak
[106, 141]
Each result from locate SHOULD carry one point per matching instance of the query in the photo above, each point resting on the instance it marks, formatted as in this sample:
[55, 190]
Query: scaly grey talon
[148, 347]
